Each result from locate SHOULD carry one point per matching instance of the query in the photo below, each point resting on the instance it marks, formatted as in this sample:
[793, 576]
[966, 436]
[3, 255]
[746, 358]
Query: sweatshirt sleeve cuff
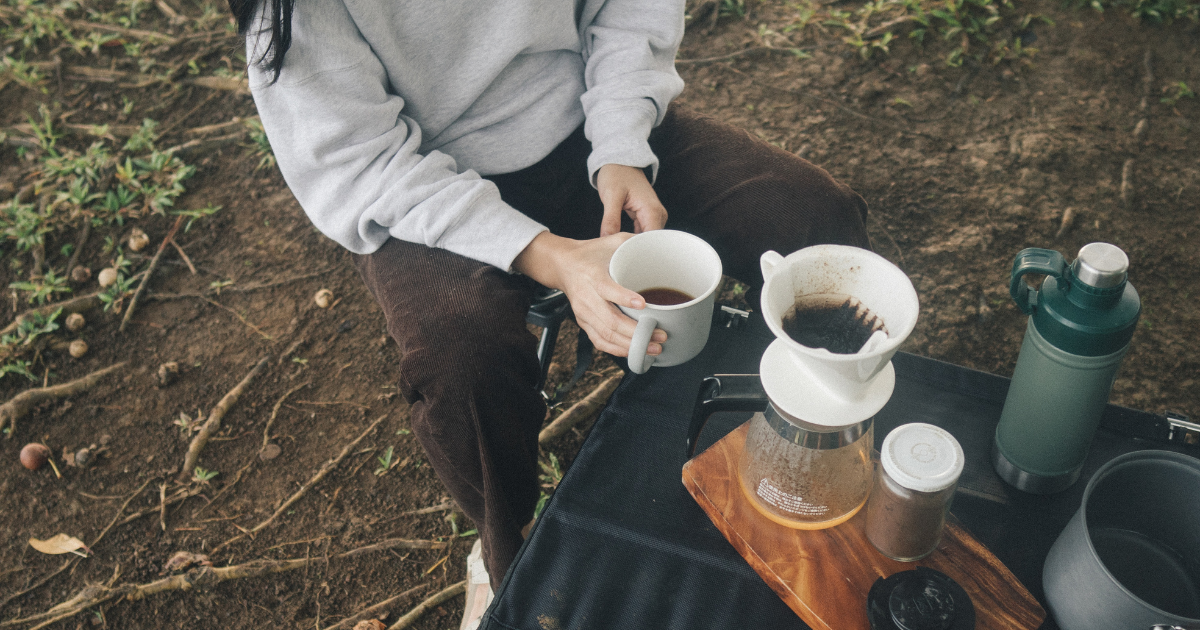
[494, 234]
[620, 136]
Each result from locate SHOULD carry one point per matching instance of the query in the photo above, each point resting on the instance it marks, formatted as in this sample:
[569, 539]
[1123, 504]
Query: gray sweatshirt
[387, 112]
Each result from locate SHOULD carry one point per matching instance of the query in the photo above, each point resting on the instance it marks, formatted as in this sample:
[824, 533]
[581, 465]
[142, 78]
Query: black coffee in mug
[663, 296]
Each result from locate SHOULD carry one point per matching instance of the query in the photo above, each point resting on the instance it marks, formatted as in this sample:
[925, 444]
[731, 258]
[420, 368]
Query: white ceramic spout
[839, 270]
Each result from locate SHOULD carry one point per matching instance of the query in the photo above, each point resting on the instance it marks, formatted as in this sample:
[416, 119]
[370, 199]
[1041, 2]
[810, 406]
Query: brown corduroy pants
[469, 365]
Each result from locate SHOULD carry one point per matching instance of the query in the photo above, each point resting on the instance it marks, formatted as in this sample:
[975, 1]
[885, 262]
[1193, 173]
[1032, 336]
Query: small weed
[1176, 91]
[203, 476]
[216, 285]
[29, 329]
[403, 432]
[196, 215]
[551, 475]
[262, 146]
[385, 462]
[733, 7]
[18, 367]
[42, 288]
[300, 360]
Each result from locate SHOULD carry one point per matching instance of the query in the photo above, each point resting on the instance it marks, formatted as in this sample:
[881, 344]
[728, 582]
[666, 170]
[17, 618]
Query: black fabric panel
[623, 545]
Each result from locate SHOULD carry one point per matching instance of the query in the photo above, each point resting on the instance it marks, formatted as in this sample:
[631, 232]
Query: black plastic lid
[921, 599]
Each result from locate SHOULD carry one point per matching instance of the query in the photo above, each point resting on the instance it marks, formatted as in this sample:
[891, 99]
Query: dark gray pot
[1130, 557]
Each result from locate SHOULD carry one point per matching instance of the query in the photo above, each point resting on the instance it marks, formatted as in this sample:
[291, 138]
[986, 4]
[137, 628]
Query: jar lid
[922, 599]
[922, 457]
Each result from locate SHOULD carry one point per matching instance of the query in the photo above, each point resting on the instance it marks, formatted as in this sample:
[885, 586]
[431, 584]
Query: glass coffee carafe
[806, 476]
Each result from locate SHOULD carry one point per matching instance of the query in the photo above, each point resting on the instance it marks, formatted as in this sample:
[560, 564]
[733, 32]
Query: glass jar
[915, 481]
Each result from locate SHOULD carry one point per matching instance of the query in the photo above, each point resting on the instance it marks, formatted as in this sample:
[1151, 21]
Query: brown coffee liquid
[662, 296]
[838, 323]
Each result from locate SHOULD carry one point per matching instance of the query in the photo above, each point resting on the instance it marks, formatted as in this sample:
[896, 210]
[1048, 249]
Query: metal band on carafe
[836, 437]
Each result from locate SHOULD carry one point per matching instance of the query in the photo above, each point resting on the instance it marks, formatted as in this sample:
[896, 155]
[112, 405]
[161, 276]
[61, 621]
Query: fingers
[611, 223]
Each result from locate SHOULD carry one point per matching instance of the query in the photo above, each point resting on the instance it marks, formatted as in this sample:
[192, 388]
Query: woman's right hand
[580, 269]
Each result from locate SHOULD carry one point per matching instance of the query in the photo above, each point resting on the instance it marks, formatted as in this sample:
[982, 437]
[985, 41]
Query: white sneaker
[479, 589]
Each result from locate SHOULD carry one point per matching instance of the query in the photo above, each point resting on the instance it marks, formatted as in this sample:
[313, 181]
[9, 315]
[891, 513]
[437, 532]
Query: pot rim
[1110, 467]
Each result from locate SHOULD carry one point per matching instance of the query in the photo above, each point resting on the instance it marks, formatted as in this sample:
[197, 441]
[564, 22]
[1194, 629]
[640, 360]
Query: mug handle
[639, 361]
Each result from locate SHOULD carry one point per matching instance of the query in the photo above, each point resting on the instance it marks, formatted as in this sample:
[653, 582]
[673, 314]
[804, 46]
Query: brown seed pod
[81, 274]
[107, 277]
[78, 348]
[323, 298]
[34, 456]
[138, 240]
[75, 322]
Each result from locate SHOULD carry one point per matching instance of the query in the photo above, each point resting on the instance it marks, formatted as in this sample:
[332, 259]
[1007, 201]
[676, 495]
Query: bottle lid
[1101, 265]
[921, 599]
[922, 457]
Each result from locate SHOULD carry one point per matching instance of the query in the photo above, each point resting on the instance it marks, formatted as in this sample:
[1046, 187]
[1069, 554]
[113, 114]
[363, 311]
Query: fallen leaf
[61, 543]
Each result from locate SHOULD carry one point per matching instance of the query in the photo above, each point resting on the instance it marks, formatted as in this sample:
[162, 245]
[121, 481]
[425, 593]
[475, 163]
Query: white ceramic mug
[673, 260]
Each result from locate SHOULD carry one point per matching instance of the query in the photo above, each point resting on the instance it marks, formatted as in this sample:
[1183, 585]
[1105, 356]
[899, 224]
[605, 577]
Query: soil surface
[962, 168]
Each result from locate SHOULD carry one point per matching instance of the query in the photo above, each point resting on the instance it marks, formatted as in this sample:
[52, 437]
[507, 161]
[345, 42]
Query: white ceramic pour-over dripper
[847, 380]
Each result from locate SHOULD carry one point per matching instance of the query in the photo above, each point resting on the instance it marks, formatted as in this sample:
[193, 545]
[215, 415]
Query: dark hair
[281, 30]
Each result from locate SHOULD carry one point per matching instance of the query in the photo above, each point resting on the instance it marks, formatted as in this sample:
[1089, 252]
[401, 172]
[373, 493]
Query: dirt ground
[962, 168]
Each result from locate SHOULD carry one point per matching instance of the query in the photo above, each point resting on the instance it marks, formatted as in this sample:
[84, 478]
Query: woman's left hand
[625, 188]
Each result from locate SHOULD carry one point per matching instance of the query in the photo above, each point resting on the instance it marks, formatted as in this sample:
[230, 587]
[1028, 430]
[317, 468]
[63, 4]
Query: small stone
[84, 457]
[81, 274]
[269, 452]
[78, 348]
[107, 277]
[323, 298]
[105, 439]
[167, 373]
[138, 240]
[75, 322]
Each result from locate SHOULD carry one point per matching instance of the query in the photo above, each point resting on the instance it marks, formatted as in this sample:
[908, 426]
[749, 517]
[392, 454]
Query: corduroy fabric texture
[469, 365]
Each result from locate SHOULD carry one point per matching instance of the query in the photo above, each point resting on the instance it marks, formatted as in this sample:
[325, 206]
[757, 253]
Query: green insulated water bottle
[1079, 328]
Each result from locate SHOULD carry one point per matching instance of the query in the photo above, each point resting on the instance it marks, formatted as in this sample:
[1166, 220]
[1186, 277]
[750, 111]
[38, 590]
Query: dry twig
[20, 404]
[580, 411]
[424, 607]
[214, 420]
[149, 272]
[321, 474]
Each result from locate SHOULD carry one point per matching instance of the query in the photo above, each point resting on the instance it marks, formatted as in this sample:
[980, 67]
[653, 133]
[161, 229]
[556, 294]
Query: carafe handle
[1033, 260]
[724, 392]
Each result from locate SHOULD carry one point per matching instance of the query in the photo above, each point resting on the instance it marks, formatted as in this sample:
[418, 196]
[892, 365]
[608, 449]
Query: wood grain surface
[825, 575]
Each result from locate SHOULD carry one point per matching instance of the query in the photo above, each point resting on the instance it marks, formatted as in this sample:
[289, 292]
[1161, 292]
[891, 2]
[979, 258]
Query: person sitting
[463, 151]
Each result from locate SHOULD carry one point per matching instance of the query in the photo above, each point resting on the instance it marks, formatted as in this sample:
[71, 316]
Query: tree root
[253, 458]
[201, 577]
[214, 420]
[413, 615]
[371, 612]
[22, 403]
[80, 304]
[580, 411]
[149, 272]
[326, 468]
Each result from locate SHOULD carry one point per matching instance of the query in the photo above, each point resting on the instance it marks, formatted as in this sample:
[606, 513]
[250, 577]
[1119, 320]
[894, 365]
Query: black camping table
[622, 545]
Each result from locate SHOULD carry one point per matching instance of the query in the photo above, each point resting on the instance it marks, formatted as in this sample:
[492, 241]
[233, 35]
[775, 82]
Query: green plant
[31, 327]
[17, 367]
[385, 462]
[1176, 91]
[550, 477]
[143, 138]
[203, 476]
[43, 288]
[195, 215]
[733, 7]
[262, 146]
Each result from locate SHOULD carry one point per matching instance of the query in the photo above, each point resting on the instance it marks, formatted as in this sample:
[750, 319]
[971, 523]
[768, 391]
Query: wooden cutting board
[825, 575]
